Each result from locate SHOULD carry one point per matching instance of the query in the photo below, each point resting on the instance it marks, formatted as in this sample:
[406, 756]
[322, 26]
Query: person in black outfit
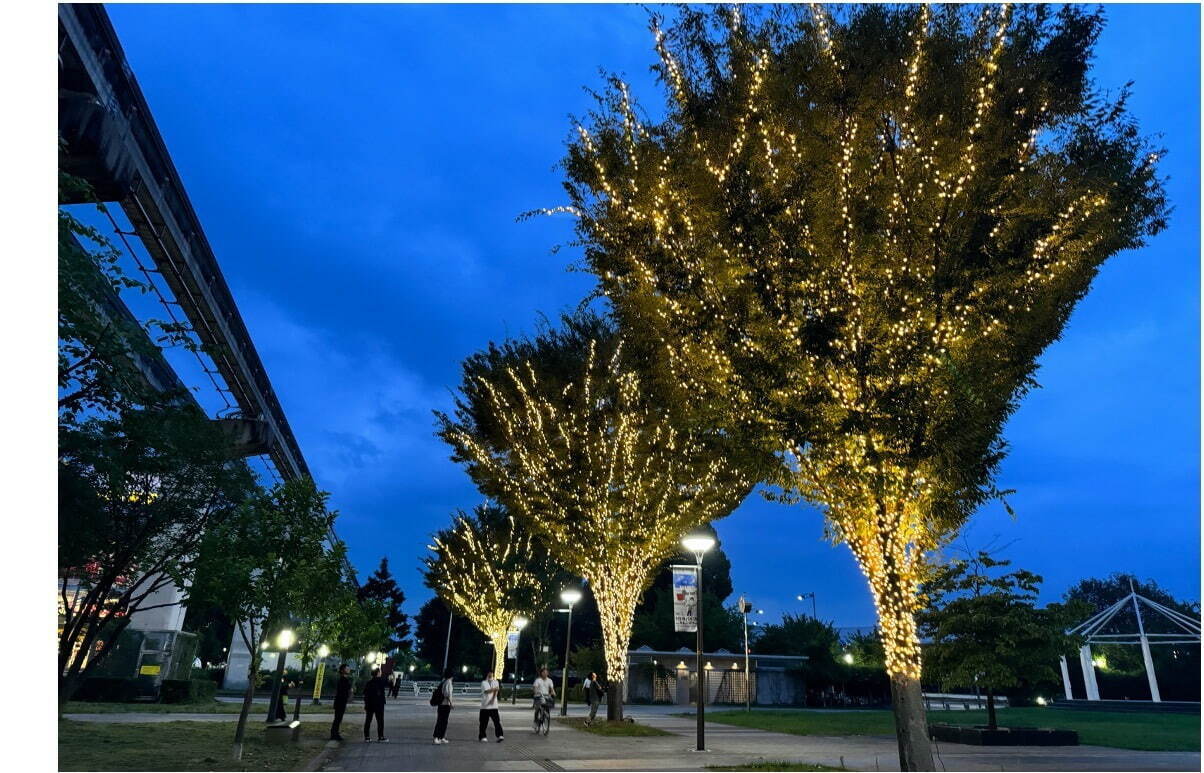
[374, 706]
[281, 716]
[342, 694]
[443, 706]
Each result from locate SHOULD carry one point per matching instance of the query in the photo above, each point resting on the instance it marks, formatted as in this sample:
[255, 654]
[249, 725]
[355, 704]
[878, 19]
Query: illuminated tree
[849, 240]
[486, 569]
[564, 431]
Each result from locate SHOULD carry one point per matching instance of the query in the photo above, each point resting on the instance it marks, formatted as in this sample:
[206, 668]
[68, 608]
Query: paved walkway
[409, 726]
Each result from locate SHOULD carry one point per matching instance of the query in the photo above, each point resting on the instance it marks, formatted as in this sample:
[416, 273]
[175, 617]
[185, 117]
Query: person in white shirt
[545, 691]
[489, 692]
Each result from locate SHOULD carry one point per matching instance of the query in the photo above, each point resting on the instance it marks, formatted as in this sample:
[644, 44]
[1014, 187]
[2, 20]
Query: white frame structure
[1189, 633]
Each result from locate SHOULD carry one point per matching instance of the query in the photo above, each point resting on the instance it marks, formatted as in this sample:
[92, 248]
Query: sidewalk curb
[321, 757]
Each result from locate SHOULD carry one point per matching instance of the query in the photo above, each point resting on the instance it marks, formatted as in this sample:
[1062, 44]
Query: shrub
[187, 691]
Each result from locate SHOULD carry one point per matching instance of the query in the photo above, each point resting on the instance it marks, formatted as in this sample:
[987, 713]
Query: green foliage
[803, 635]
[138, 488]
[382, 587]
[97, 344]
[986, 629]
[269, 562]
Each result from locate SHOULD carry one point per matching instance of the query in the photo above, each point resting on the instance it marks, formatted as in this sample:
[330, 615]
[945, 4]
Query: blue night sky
[358, 171]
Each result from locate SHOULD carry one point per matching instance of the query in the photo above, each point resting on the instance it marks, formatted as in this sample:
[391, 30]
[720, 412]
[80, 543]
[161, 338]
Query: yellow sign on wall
[149, 671]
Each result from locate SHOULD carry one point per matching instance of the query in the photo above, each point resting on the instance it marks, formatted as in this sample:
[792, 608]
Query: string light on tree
[849, 241]
[484, 567]
[565, 433]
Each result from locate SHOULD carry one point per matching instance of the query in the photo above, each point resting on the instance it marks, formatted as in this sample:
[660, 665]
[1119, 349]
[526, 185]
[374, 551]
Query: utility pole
[447, 645]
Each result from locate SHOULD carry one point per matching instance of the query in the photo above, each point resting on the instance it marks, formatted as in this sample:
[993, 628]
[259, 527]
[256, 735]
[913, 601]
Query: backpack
[437, 695]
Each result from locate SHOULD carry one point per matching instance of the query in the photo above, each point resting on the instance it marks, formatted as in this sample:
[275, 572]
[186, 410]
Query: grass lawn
[602, 727]
[176, 746]
[769, 765]
[211, 707]
[1122, 730]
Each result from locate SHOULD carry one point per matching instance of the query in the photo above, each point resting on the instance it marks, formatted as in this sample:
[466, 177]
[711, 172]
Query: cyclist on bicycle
[545, 698]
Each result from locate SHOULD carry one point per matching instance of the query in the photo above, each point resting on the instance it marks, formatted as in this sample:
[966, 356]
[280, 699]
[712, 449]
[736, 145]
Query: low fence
[409, 687]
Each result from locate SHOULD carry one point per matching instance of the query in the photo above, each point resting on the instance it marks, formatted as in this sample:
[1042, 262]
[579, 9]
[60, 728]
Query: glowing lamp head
[520, 623]
[847, 658]
[285, 639]
[463, 669]
[698, 542]
[323, 651]
[1041, 701]
[570, 596]
[411, 669]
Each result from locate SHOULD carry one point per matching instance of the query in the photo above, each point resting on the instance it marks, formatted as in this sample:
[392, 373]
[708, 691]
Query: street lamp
[699, 543]
[811, 596]
[519, 624]
[746, 607]
[284, 640]
[569, 596]
[323, 653]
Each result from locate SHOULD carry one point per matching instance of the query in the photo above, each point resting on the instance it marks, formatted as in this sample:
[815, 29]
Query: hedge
[187, 691]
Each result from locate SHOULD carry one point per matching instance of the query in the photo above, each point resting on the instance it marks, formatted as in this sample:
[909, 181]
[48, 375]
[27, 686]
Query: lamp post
[699, 543]
[323, 653]
[284, 640]
[811, 596]
[519, 624]
[570, 596]
[746, 607]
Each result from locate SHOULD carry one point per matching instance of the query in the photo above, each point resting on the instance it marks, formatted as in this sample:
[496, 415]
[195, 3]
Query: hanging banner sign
[685, 598]
[512, 644]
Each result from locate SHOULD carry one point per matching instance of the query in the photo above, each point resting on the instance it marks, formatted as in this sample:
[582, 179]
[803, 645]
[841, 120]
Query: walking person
[396, 684]
[545, 695]
[342, 694]
[442, 701]
[489, 692]
[374, 706]
[593, 695]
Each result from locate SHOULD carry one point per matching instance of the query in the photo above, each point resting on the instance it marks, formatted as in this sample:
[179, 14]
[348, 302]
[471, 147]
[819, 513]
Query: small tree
[986, 629]
[565, 433]
[485, 568]
[382, 587]
[850, 239]
[261, 566]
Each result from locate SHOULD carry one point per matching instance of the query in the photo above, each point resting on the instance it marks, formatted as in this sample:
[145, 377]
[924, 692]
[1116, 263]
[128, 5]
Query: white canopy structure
[1184, 630]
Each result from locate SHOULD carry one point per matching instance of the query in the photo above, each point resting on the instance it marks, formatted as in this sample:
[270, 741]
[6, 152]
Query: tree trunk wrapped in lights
[486, 569]
[566, 433]
[848, 242]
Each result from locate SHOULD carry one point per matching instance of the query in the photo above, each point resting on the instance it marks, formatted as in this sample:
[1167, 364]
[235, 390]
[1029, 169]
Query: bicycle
[543, 716]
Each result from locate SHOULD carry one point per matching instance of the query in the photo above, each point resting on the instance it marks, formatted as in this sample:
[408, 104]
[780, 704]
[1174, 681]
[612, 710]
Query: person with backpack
[342, 694]
[441, 699]
[374, 706]
[489, 692]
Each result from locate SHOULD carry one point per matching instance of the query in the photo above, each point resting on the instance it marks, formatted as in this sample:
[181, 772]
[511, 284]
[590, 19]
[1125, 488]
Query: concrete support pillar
[1089, 682]
[1066, 678]
[1149, 670]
